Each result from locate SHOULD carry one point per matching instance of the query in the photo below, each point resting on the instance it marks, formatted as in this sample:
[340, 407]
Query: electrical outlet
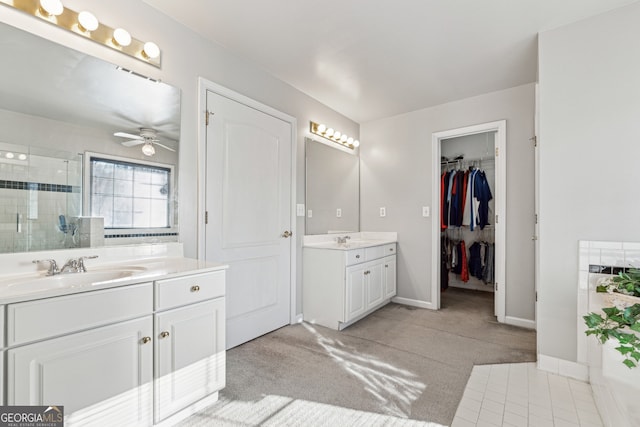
[338, 213]
[425, 211]
[309, 213]
[300, 209]
[383, 212]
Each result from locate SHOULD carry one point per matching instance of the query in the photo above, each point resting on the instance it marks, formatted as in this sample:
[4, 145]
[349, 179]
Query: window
[130, 195]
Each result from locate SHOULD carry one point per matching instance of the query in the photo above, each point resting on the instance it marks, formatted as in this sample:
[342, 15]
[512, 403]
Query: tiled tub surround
[614, 385]
[34, 193]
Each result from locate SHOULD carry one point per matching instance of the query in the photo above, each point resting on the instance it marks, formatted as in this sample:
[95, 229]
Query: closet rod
[448, 162]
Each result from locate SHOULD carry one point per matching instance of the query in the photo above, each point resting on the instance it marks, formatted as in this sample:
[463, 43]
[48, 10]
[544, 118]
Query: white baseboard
[413, 302]
[523, 323]
[298, 319]
[563, 367]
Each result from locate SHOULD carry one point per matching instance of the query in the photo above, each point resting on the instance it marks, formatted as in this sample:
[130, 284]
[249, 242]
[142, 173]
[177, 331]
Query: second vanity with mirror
[136, 340]
[347, 277]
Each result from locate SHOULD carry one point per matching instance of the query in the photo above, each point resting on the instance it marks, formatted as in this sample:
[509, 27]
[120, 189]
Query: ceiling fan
[148, 137]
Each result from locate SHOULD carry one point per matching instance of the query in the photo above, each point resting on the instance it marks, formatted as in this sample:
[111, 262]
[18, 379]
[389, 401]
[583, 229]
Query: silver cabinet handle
[164, 334]
[195, 288]
[146, 340]
[357, 256]
[287, 234]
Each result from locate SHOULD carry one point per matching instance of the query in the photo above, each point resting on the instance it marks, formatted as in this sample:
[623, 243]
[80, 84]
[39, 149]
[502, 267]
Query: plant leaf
[630, 364]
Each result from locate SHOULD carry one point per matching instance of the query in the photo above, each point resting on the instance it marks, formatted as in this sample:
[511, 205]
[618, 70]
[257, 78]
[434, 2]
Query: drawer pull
[146, 340]
[164, 334]
[391, 249]
[367, 272]
[195, 288]
[386, 266]
[357, 256]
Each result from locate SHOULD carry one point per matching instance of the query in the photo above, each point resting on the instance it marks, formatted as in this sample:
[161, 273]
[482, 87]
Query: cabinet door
[374, 278]
[355, 301]
[102, 375]
[389, 277]
[190, 355]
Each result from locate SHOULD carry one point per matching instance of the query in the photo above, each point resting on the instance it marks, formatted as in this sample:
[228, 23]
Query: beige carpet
[400, 363]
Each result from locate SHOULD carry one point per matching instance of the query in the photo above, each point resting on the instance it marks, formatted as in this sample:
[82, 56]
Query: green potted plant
[620, 324]
[623, 289]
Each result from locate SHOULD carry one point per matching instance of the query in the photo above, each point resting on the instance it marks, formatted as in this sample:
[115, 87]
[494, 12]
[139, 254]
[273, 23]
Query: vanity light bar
[333, 135]
[87, 25]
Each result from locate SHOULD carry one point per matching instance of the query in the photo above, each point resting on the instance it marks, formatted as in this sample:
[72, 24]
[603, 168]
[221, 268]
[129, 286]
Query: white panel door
[375, 284]
[389, 277]
[190, 355]
[248, 200]
[103, 374]
[355, 301]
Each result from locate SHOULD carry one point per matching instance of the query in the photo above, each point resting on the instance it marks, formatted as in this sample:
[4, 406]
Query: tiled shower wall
[34, 193]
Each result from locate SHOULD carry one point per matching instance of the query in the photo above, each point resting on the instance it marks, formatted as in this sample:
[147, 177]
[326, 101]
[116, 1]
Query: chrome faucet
[73, 265]
[53, 266]
[342, 240]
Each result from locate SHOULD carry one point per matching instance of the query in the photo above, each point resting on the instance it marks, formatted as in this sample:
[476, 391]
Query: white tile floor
[520, 395]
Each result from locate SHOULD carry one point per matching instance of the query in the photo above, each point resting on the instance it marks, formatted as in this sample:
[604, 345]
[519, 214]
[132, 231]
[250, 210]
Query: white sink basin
[65, 280]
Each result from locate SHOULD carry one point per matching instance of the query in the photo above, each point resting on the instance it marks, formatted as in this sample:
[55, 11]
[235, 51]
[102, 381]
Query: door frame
[500, 127]
[205, 86]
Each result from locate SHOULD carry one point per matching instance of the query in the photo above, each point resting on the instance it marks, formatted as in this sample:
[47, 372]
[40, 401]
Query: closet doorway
[479, 148]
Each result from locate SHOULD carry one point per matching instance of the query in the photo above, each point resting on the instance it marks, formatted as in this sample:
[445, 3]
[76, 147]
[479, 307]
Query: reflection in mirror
[55, 104]
[332, 189]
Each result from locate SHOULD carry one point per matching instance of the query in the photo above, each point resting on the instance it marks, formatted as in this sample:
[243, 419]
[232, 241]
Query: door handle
[287, 234]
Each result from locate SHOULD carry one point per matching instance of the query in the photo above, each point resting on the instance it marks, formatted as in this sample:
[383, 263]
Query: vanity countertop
[25, 287]
[356, 240]
[349, 245]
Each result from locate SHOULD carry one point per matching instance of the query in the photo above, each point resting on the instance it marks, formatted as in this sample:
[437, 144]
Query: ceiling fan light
[150, 50]
[51, 7]
[121, 37]
[87, 21]
[148, 150]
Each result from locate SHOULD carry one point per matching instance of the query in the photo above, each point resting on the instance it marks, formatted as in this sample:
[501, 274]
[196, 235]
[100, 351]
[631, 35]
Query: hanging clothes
[444, 263]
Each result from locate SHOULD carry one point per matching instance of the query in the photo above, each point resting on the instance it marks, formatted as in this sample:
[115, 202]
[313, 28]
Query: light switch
[338, 213]
[300, 209]
[310, 214]
[383, 212]
[425, 211]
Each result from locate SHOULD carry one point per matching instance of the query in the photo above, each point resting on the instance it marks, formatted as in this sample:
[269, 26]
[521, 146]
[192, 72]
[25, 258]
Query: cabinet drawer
[189, 289]
[35, 320]
[355, 256]
[376, 252]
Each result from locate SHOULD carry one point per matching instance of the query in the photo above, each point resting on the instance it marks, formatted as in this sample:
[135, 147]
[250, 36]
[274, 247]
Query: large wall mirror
[332, 189]
[57, 105]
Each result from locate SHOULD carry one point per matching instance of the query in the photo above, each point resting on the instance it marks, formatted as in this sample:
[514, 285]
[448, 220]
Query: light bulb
[148, 150]
[329, 133]
[321, 128]
[9, 155]
[121, 37]
[87, 21]
[337, 135]
[344, 138]
[150, 50]
[22, 157]
[356, 143]
[51, 7]
[350, 141]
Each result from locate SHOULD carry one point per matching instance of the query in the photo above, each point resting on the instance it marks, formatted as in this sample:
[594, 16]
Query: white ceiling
[369, 59]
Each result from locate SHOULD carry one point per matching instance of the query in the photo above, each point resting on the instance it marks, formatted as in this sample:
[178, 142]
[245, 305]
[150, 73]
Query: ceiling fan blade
[132, 142]
[164, 146]
[127, 135]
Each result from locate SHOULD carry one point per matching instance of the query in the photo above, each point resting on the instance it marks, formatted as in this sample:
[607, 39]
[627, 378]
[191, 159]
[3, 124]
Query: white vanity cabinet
[131, 355]
[340, 286]
[107, 369]
[190, 341]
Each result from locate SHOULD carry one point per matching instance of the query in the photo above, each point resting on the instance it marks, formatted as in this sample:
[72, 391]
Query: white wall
[589, 75]
[396, 173]
[185, 57]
